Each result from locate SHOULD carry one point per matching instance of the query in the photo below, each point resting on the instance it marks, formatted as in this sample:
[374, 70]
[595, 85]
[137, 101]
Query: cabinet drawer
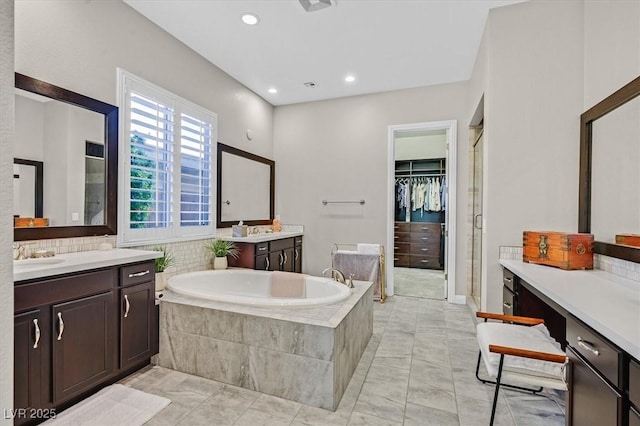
[261, 248]
[431, 250]
[401, 226]
[508, 301]
[298, 240]
[60, 289]
[282, 244]
[421, 238]
[424, 262]
[401, 248]
[634, 383]
[402, 237]
[426, 227]
[594, 348]
[138, 273]
[401, 260]
[509, 280]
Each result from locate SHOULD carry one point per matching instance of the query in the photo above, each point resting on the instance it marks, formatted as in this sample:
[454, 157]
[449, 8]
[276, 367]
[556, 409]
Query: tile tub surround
[302, 354]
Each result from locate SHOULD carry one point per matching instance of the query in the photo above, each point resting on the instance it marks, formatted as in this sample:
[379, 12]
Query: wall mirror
[246, 185]
[75, 140]
[609, 198]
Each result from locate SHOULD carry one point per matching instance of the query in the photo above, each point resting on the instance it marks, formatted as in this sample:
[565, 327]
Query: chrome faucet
[339, 276]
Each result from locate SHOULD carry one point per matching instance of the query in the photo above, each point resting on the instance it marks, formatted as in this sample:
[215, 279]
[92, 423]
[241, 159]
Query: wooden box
[628, 239]
[559, 249]
[30, 222]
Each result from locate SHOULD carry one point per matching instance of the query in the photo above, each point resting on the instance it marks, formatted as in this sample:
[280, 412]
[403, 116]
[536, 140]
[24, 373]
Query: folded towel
[287, 284]
[368, 248]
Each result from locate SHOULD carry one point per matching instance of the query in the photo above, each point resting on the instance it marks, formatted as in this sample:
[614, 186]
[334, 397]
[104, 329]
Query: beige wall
[6, 218]
[418, 147]
[337, 150]
[78, 45]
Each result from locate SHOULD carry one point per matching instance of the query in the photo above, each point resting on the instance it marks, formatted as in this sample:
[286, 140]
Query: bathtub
[249, 287]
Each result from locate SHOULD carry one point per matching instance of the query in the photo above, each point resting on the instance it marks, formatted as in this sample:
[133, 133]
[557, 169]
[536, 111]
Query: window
[167, 182]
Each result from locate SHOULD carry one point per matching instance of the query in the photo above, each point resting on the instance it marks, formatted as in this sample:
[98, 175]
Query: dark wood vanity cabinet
[417, 245]
[77, 333]
[283, 254]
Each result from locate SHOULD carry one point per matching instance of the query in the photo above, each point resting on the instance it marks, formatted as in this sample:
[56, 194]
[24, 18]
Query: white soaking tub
[252, 288]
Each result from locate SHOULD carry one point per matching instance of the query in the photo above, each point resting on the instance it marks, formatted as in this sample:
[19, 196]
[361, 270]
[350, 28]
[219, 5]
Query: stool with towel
[365, 263]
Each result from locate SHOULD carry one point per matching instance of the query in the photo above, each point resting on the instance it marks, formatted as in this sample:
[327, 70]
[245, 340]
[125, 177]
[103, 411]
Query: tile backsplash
[620, 267]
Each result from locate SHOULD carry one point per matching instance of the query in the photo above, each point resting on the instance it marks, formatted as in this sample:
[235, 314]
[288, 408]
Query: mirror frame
[39, 185]
[110, 113]
[618, 98]
[272, 174]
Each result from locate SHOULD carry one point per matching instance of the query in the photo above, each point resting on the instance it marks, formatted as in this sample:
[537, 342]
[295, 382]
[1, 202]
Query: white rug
[115, 405]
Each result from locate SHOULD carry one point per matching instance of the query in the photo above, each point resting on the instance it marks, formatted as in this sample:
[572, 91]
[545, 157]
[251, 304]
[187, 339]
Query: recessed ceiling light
[350, 78]
[273, 90]
[250, 19]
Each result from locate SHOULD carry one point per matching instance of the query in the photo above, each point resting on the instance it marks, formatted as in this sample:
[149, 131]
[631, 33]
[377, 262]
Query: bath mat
[113, 405]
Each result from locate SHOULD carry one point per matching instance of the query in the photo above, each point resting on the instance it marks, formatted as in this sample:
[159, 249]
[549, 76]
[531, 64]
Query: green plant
[221, 248]
[164, 261]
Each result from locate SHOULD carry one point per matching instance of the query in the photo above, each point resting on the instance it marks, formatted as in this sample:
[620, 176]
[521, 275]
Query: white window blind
[168, 181]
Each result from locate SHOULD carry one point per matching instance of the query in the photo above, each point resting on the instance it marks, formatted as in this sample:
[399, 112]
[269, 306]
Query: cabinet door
[82, 344]
[275, 260]
[297, 259]
[634, 417]
[30, 352]
[137, 323]
[591, 400]
[263, 263]
[288, 260]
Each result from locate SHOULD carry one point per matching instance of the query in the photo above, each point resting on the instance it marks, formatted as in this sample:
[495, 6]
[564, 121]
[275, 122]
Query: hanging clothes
[443, 193]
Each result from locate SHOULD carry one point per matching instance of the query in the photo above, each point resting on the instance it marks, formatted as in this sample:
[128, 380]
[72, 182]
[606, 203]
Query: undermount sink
[32, 263]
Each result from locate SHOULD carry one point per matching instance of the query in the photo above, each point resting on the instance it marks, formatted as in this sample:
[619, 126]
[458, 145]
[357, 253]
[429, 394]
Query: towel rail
[382, 266]
[325, 202]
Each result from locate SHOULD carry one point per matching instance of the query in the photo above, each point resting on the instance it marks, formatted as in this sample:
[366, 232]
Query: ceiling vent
[313, 5]
[310, 84]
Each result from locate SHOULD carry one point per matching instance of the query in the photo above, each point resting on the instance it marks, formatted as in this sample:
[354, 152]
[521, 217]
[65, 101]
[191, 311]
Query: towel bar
[325, 202]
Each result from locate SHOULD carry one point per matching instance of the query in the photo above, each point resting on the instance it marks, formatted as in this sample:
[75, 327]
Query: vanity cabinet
[75, 333]
[417, 245]
[283, 254]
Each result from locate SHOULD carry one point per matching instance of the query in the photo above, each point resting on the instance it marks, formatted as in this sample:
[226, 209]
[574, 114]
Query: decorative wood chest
[559, 249]
[628, 239]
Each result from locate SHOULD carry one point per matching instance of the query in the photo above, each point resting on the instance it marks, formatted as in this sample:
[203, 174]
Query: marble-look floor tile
[258, 418]
[417, 415]
[360, 419]
[474, 412]
[275, 406]
[313, 416]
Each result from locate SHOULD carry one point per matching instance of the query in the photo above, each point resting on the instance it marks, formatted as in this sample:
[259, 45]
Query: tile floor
[415, 282]
[418, 369]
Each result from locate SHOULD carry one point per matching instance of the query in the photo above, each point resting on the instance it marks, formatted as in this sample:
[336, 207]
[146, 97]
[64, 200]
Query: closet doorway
[421, 246]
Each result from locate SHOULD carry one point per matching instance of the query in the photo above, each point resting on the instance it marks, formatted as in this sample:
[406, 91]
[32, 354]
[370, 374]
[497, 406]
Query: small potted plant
[221, 249]
[162, 263]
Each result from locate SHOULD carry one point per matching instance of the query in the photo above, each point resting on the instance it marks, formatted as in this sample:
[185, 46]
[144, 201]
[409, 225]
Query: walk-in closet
[419, 218]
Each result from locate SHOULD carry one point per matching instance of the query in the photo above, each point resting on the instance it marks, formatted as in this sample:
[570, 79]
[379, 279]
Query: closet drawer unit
[402, 237]
[401, 248]
[595, 349]
[401, 260]
[426, 262]
[634, 383]
[401, 227]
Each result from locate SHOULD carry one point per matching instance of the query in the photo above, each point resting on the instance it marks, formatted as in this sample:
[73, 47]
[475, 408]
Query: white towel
[364, 248]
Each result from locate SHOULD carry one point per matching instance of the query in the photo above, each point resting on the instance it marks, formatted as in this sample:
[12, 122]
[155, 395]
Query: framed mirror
[246, 185]
[75, 138]
[609, 192]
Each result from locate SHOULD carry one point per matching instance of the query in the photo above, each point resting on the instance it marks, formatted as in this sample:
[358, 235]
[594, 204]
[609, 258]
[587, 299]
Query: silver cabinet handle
[296, 254]
[285, 258]
[126, 306]
[425, 229]
[139, 274]
[424, 249]
[262, 248]
[60, 326]
[588, 346]
[507, 305]
[508, 280]
[268, 263]
[424, 238]
[281, 259]
[37, 332]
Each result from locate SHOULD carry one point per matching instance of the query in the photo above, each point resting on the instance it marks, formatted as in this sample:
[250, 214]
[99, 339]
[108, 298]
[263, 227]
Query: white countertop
[259, 238]
[606, 302]
[80, 261]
